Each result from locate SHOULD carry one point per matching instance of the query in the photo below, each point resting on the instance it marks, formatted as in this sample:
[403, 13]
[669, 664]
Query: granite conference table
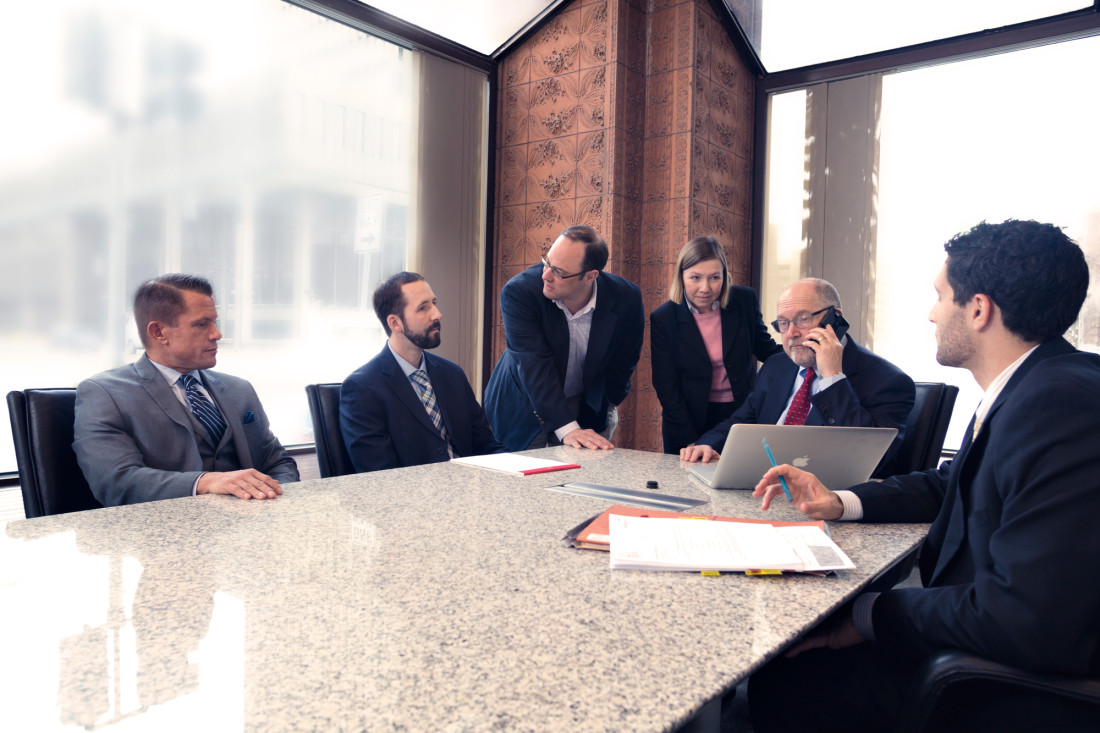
[434, 598]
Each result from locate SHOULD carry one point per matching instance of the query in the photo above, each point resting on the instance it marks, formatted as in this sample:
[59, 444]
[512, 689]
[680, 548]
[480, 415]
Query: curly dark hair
[1035, 274]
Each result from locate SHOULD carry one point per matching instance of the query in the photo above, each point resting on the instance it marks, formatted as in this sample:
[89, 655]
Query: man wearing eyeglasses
[848, 385]
[574, 335]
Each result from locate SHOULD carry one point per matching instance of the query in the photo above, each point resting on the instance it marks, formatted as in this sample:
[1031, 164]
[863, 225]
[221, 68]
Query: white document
[513, 463]
[646, 543]
[816, 549]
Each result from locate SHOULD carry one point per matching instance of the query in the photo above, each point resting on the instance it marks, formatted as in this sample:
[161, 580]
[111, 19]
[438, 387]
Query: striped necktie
[203, 409]
[427, 396]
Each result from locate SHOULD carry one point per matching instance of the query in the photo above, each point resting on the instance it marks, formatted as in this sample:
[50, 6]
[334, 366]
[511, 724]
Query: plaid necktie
[800, 404]
[204, 410]
[427, 396]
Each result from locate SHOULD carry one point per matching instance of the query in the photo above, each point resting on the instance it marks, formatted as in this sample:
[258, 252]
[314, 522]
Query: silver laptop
[840, 457]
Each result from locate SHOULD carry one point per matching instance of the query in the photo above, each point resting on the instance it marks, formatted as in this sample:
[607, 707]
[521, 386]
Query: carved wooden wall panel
[634, 117]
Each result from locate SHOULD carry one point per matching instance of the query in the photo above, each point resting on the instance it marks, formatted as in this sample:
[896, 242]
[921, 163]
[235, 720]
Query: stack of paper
[651, 543]
[596, 534]
[512, 463]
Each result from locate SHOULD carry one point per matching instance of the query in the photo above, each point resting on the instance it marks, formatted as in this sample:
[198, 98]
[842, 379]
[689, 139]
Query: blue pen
[782, 481]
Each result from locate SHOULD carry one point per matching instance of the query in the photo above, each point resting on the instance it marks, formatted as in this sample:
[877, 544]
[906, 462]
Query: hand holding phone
[829, 353]
[834, 319]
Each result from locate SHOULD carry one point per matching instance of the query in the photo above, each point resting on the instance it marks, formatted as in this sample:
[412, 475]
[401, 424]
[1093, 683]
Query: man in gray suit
[164, 426]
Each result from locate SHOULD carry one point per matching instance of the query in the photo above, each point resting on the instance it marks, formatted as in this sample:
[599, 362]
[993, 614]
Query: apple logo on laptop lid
[801, 462]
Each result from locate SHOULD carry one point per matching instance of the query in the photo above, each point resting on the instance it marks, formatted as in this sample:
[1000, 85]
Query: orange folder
[597, 535]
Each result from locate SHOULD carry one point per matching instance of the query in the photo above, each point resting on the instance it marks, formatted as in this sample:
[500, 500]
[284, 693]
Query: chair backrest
[324, 410]
[956, 691]
[926, 428]
[42, 429]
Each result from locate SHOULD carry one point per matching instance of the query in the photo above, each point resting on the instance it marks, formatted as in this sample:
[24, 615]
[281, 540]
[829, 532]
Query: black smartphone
[834, 319]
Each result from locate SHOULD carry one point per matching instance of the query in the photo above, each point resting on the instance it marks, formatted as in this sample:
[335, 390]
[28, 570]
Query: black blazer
[873, 394]
[526, 392]
[1010, 561]
[385, 425]
[682, 371]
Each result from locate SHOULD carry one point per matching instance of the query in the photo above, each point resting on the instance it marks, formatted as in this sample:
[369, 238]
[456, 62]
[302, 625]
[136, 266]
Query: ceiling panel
[788, 34]
[482, 25]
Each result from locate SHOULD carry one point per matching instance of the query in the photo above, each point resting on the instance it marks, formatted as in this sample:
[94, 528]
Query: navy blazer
[874, 393]
[1010, 560]
[526, 392]
[135, 441]
[682, 370]
[385, 425]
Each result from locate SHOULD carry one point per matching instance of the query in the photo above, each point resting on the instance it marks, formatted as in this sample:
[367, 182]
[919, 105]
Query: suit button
[832, 421]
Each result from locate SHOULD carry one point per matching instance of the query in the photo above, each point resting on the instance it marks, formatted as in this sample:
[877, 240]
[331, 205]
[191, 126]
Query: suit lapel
[948, 531]
[399, 384]
[444, 397]
[950, 524]
[776, 398]
[733, 330]
[231, 412]
[158, 388]
[557, 335]
[849, 360]
[604, 320]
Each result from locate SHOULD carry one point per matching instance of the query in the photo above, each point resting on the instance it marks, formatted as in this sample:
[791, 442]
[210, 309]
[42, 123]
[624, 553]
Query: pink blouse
[710, 326]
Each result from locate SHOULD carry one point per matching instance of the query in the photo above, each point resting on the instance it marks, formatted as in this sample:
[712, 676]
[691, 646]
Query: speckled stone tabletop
[435, 598]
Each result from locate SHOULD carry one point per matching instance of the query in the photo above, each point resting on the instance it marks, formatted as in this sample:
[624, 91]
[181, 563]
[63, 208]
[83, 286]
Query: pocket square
[249, 417]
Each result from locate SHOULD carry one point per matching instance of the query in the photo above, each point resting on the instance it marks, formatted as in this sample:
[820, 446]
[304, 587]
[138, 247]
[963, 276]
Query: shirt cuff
[195, 486]
[853, 507]
[861, 615]
[826, 382]
[564, 430]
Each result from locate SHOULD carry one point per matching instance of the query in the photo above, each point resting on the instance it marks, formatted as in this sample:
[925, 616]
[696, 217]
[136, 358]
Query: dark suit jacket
[682, 372]
[135, 440]
[385, 425]
[1010, 562]
[874, 393]
[526, 392]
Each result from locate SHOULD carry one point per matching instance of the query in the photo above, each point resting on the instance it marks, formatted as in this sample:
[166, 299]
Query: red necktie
[800, 405]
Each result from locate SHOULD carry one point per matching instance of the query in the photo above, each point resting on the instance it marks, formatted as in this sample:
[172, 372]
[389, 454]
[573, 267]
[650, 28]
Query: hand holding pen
[808, 494]
[771, 459]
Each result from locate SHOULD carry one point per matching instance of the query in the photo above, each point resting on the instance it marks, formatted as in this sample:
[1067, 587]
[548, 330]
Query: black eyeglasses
[558, 272]
[805, 320]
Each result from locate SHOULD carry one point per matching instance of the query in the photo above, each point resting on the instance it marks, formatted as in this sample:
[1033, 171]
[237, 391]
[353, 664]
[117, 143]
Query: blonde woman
[703, 341]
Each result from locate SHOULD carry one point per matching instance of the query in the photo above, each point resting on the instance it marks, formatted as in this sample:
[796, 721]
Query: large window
[1007, 136]
[265, 147]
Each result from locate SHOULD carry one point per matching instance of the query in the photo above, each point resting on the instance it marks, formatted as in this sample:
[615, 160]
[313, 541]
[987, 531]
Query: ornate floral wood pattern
[635, 117]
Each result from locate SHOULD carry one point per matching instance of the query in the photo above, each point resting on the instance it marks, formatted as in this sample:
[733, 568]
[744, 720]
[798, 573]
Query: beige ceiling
[785, 34]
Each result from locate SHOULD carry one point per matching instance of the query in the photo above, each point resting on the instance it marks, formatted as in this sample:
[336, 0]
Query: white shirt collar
[994, 390]
[713, 306]
[172, 376]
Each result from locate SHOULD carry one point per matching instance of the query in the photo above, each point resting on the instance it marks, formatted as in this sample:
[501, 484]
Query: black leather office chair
[954, 691]
[920, 449]
[324, 410]
[925, 429]
[42, 428]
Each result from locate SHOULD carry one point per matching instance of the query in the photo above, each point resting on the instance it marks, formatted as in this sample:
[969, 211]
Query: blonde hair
[699, 250]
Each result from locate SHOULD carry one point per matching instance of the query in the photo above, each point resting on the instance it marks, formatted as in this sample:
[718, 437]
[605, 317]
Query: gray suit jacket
[135, 440]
